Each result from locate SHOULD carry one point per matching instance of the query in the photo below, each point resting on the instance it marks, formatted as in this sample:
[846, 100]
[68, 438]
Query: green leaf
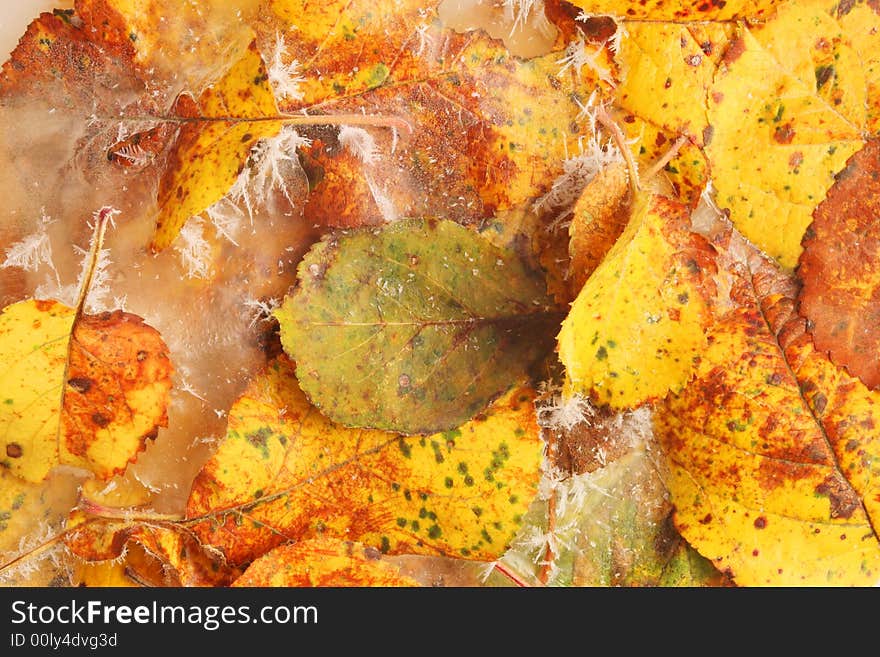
[415, 327]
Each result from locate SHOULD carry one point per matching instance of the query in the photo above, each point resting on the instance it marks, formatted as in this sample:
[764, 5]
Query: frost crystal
[284, 77]
[578, 171]
[259, 310]
[383, 201]
[34, 250]
[271, 161]
[360, 143]
[520, 11]
[577, 56]
[194, 250]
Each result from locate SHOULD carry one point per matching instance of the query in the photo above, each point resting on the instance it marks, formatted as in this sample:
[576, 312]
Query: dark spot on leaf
[760, 522]
[784, 134]
[81, 384]
[14, 450]
[100, 419]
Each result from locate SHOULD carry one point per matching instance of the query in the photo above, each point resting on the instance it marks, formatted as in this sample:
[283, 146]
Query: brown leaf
[840, 269]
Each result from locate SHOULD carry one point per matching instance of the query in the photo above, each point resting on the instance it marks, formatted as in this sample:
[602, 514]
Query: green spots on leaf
[434, 532]
[601, 353]
[351, 330]
[448, 482]
[376, 75]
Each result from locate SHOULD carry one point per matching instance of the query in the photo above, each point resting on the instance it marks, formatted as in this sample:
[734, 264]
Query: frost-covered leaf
[487, 131]
[86, 391]
[684, 12]
[414, 327]
[840, 269]
[213, 143]
[770, 448]
[323, 561]
[286, 472]
[635, 330]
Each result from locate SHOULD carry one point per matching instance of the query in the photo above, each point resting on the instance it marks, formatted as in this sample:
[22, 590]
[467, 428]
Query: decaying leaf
[840, 269]
[489, 131]
[213, 143]
[770, 448]
[414, 327]
[86, 391]
[285, 472]
[598, 219]
[635, 330]
[323, 562]
[683, 12]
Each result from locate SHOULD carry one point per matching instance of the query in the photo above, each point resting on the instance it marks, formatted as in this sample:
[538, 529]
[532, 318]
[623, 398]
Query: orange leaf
[840, 269]
[770, 447]
[323, 562]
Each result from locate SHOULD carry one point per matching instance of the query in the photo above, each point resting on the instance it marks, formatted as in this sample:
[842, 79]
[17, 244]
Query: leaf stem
[102, 218]
[375, 120]
[617, 135]
[509, 574]
[664, 159]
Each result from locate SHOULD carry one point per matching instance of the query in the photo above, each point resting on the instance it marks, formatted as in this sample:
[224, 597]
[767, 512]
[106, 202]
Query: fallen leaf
[323, 562]
[840, 269]
[770, 448]
[413, 327]
[783, 126]
[285, 472]
[213, 143]
[488, 131]
[85, 391]
[687, 11]
[598, 219]
[635, 330]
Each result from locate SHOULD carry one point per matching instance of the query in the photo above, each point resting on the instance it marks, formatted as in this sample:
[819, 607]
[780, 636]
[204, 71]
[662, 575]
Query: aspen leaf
[285, 472]
[635, 330]
[213, 143]
[770, 447]
[323, 562]
[840, 269]
[86, 392]
[787, 110]
[413, 327]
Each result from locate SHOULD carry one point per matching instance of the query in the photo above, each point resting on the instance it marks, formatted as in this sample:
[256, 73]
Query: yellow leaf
[323, 562]
[666, 73]
[770, 448]
[787, 110]
[29, 512]
[213, 143]
[687, 11]
[285, 471]
[636, 328]
[86, 392]
[860, 22]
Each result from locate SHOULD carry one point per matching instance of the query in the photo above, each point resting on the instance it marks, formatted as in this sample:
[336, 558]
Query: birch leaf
[840, 269]
[414, 327]
[285, 472]
[87, 392]
[788, 110]
[635, 330]
[770, 448]
[213, 143]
